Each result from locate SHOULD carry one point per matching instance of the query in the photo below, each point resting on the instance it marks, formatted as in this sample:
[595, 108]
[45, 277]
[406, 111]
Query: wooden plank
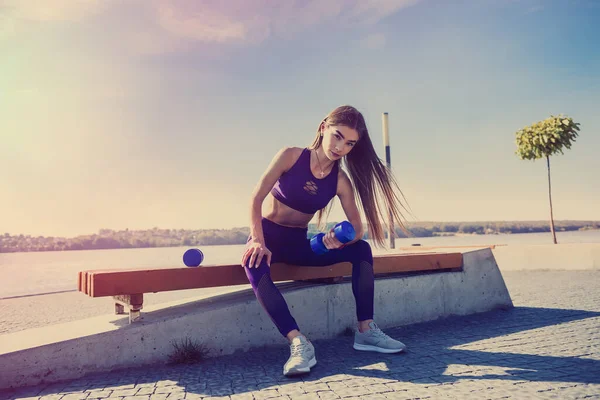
[111, 283]
[90, 284]
[417, 262]
[82, 285]
[431, 247]
[159, 280]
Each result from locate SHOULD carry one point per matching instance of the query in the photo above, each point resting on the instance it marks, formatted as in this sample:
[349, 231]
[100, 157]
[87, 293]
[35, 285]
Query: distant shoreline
[153, 238]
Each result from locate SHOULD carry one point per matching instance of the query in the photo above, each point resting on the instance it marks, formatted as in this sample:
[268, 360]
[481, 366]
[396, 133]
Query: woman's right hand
[255, 252]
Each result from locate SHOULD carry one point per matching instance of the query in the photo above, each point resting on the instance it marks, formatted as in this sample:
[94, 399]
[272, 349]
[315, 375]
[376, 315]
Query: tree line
[155, 237]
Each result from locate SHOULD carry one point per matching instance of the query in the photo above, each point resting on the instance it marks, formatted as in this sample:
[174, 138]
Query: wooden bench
[127, 287]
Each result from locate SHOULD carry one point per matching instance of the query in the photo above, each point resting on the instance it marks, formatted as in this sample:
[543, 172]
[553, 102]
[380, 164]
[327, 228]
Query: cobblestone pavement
[547, 347]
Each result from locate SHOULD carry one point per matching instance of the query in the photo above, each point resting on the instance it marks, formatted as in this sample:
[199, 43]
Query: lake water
[46, 272]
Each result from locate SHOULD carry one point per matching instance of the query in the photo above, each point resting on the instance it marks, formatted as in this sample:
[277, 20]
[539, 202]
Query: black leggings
[291, 246]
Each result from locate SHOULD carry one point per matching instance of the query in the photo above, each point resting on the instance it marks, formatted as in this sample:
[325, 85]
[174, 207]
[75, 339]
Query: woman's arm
[282, 161]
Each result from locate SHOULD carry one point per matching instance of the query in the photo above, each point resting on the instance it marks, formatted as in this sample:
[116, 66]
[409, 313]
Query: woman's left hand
[331, 242]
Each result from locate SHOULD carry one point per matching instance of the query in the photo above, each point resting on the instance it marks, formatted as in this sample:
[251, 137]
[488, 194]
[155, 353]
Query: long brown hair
[372, 181]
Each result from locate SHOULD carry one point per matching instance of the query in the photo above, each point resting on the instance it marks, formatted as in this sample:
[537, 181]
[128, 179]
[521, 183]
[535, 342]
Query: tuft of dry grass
[349, 331]
[188, 351]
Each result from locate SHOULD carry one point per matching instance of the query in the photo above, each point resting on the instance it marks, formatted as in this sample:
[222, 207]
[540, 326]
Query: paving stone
[196, 396]
[315, 387]
[266, 394]
[75, 396]
[21, 397]
[352, 391]
[99, 394]
[124, 392]
[161, 396]
[328, 395]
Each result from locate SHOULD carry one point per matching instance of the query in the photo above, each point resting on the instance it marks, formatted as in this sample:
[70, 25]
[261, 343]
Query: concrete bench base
[235, 322]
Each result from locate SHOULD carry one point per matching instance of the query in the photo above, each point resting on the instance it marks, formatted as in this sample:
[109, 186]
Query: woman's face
[338, 140]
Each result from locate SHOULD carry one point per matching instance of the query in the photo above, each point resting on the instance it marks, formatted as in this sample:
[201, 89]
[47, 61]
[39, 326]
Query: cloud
[17, 16]
[373, 41]
[160, 26]
[54, 10]
[372, 11]
[254, 21]
[218, 23]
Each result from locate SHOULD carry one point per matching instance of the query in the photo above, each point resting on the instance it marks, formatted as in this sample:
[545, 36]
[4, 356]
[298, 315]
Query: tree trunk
[550, 197]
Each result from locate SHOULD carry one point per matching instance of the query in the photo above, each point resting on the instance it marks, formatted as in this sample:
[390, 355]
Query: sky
[149, 113]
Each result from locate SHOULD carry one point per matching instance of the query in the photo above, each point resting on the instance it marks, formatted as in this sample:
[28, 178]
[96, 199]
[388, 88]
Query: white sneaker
[302, 357]
[375, 340]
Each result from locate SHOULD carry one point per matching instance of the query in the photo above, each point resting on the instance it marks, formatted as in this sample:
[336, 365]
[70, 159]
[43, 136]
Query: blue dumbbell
[344, 232]
[193, 257]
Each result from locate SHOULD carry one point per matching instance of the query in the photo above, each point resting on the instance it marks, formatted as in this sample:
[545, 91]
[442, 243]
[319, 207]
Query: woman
[303, 182]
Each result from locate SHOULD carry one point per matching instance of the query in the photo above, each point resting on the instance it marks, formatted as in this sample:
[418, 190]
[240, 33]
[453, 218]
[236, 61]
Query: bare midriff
[281, 214]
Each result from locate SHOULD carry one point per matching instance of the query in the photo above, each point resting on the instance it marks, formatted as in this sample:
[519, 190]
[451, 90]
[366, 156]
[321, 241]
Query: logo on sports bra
[311, 187]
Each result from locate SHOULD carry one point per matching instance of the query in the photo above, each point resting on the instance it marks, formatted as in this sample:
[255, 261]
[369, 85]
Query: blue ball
[193, 257]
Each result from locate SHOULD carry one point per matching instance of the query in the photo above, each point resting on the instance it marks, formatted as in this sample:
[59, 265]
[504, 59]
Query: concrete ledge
[236, 322]
[565, 256]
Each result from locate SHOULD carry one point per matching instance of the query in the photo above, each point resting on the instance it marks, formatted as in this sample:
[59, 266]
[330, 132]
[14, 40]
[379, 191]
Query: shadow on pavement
[520, 344]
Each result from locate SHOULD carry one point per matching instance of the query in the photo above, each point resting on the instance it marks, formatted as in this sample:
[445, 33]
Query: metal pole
[386, 143]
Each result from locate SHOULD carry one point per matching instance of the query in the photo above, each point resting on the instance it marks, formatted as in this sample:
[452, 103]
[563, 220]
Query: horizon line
[332, 222]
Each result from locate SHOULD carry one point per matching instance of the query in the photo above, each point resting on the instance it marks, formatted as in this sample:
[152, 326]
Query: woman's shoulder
[287, 156]
[291, 153]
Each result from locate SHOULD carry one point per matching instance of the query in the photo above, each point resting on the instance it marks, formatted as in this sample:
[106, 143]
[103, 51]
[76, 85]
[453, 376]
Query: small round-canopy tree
[543, 139]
